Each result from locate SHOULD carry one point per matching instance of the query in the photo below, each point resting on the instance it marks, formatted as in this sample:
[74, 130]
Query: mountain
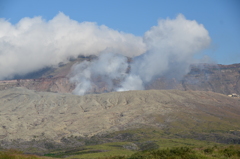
[224, 79]
[39, 114]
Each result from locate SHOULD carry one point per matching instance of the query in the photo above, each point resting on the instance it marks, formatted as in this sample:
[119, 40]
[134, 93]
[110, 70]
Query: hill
[28, 115]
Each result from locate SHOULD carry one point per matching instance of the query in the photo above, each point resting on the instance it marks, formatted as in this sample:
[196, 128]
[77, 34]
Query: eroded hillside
[26, 114]
[224, 79]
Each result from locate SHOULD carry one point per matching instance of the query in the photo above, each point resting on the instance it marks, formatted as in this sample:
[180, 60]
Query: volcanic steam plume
[170, 47]
[125, 61]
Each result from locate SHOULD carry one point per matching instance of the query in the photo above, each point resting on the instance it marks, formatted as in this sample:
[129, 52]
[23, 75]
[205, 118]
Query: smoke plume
[102, 72]
[167, 49]
[170, 47]
[34, 43]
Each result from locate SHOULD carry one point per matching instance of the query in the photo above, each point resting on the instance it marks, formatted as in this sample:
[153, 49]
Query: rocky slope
[224, 79]
[57, 84]
[26, 114]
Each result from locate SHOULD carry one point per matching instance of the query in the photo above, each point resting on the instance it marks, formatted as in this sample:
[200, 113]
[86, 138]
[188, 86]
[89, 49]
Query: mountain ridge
[223, 79]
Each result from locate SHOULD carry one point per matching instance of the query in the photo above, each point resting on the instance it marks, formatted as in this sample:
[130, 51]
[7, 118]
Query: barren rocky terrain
[27, 114]
[224, 79]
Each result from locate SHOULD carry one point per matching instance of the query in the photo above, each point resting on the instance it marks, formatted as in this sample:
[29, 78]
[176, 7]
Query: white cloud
[34, 43]
[166, 49]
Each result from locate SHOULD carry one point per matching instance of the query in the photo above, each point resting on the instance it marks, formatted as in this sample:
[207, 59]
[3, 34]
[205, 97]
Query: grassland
[127, 143]
[135, 142]
[15, 154]
[116, 151]
[215, 152]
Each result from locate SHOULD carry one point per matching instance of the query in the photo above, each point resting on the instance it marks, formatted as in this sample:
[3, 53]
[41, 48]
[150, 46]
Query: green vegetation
[15, 154]
[229, 152]
[126, 150]
[135, 143]
[94, 151]
[117, 149]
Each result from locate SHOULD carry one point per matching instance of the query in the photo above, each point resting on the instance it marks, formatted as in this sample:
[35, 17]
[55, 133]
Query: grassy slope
[170, 147]
[133, 141]
[190, 152]
[215, 152]
[15, 154]
[114, 149]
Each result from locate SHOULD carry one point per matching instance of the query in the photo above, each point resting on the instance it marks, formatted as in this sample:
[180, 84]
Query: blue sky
[220, 17]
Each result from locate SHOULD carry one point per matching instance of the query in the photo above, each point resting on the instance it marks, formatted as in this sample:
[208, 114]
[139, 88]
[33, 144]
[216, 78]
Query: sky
[221, 18]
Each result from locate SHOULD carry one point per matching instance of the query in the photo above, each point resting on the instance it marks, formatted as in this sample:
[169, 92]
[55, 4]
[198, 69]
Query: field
[117, 151]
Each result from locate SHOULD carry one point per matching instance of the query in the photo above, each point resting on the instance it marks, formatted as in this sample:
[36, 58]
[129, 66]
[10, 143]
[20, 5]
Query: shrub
[229, 152]
[209, 150]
